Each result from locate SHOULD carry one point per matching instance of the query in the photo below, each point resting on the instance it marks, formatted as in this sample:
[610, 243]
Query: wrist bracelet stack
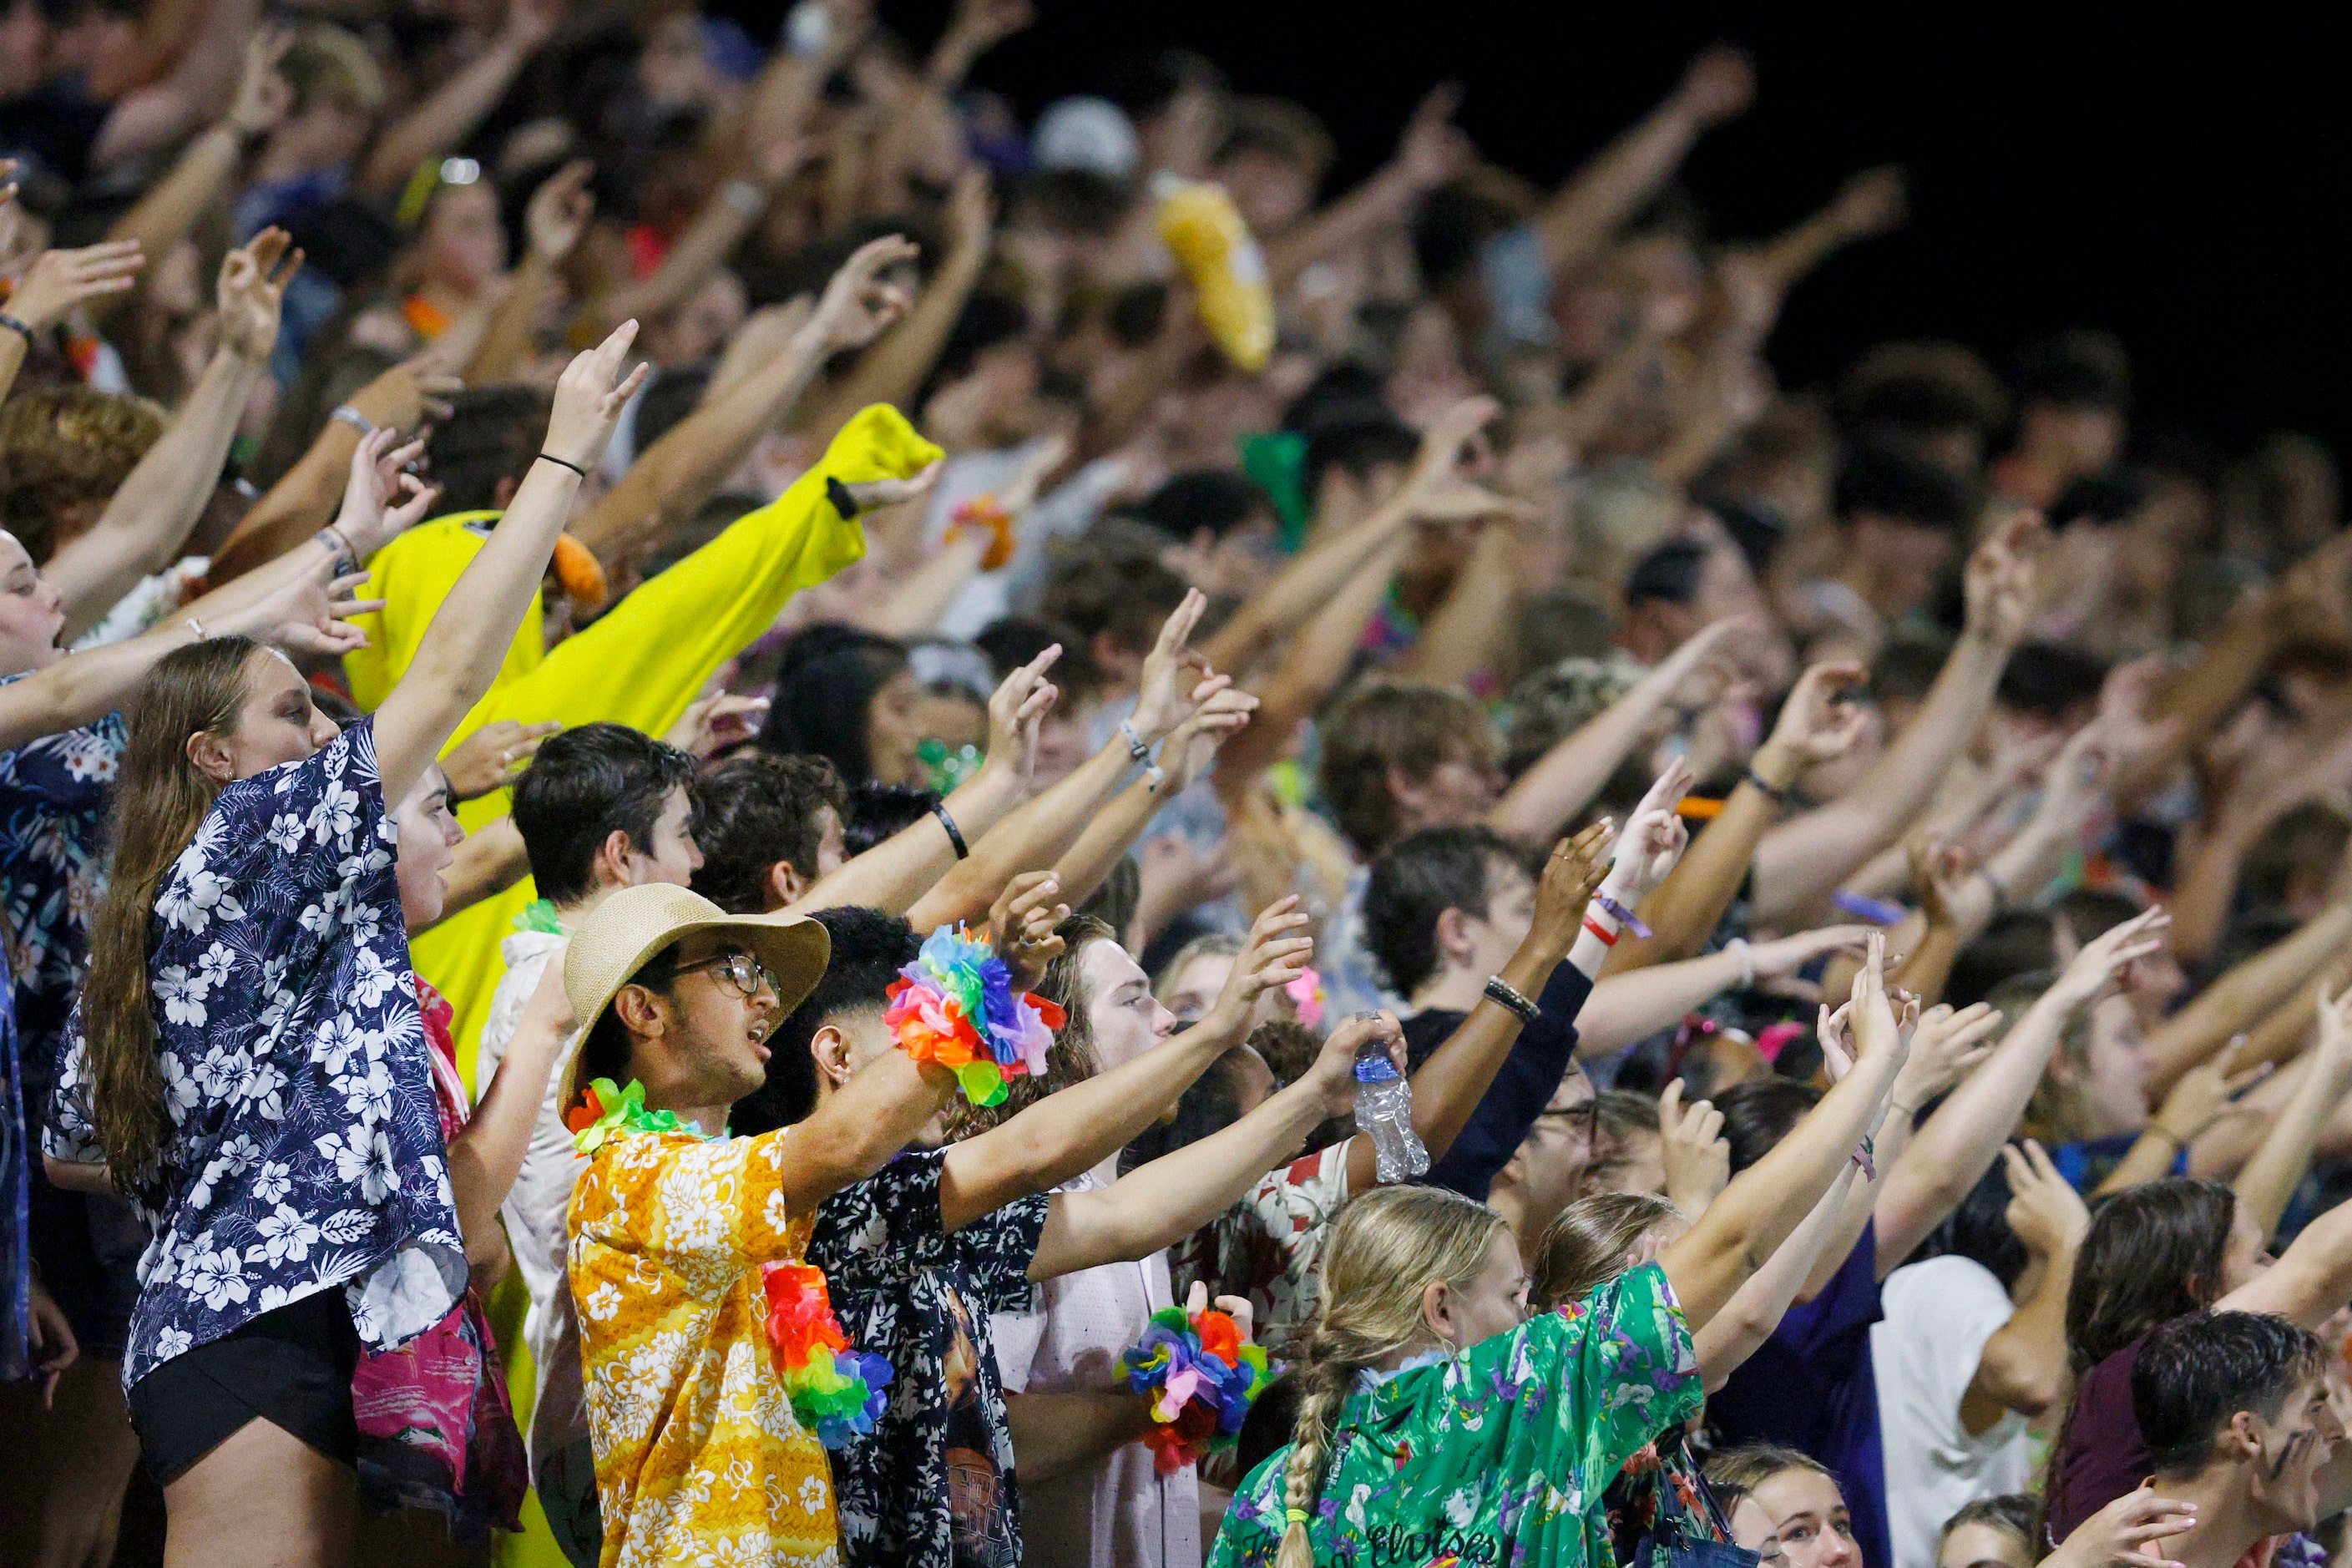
[1621, 915]
[1509, 996]
[1135, 746]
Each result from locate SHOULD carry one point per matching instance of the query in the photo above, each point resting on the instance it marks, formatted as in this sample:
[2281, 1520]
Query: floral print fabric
[1266, 1246]
[933, 1483]
[698, 1456]
[1499, 1455]
[305, 1148]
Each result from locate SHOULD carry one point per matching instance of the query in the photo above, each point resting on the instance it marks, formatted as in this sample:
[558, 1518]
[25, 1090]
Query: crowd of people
[749, 817]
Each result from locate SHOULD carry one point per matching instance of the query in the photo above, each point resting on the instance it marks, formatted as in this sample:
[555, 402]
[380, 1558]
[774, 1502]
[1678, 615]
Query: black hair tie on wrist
[22, 329]
[561, 464]
[844, 499]
[1777, 796]
[955, 836]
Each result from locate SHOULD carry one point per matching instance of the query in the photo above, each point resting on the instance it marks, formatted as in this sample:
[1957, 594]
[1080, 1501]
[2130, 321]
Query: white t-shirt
[1939, 1314]
[536, 1209]
[1117, 1511]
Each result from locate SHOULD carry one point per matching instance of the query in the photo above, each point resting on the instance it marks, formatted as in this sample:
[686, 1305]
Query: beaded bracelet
[1203, 1376]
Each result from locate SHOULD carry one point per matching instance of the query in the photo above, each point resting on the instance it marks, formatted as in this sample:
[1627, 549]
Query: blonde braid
[1386, 1249]
[1310, 1439]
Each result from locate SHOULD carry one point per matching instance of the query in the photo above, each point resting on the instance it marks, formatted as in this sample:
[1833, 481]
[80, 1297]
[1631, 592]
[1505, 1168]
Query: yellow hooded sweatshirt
[641, 665]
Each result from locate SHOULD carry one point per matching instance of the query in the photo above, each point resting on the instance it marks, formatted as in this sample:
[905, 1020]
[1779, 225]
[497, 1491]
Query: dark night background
[2174, 180]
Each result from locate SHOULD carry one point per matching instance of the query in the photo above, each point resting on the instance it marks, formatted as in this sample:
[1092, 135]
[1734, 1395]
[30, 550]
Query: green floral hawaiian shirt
[1498, 1456]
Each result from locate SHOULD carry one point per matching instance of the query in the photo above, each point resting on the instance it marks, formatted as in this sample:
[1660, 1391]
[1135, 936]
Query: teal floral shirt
[1498, 1456]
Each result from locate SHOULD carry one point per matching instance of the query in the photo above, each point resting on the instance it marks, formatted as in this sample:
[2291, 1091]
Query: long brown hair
[1387, 1248]
[1590, 1244]
[160, 801]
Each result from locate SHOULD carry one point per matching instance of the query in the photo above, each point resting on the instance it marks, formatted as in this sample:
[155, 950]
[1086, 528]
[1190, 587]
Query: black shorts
[291, 1367]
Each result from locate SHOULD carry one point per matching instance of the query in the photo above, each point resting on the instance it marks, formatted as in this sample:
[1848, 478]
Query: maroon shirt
[2102, 1456]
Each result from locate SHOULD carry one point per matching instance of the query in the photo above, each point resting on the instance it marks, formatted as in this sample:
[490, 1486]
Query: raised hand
[382, 498]
[589, 397]
[1872, 1019]
[1787, 955]
[1160, 697]
[1016, 711]
[415, 389]
[2048, 1214]
[59, 280]
[1819, 723]
[1193, 745]
[2205, 1094]
[1697, 1155]
[1333, 1071]
[1718, 85]
[2102, 960]
[264, 96]
[1871, 203]
[875, 494]
[494, 757]
[1022, 925]
[1432, 151]
[715, 720]
[2001, 583]
[1576, 868]
[252, 291]
[1273, 954]
[306, 615]
[856, 304]
[560, 210]
[1654, 837]
[1947, 1045]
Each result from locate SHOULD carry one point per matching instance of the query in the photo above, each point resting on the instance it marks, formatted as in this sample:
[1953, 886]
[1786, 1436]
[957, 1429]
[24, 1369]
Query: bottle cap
[1376, 1069]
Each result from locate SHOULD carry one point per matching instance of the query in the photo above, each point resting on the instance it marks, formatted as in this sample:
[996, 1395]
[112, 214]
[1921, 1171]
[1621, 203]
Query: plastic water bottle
[1384, 1109]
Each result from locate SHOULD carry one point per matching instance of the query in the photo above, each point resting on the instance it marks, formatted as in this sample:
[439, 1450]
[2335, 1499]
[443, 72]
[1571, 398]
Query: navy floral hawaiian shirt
[305, 1149]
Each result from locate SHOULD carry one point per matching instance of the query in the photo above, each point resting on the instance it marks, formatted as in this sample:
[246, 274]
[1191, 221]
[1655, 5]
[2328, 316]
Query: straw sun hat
[628, 928]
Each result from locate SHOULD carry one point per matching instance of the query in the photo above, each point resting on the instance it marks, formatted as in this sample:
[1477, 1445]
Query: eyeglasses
[744, 975]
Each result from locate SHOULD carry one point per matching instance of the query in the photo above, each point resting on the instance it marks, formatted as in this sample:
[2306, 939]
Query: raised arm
[1437, 490]
[307, 496]
[893, 370]
[1185, 756]
[677, 473]
[1629, 1007]
[2023, 1366]
[1818, 724]
[1037, 833]
[1450, 1090]
[1960, 1142]
[1564, 780]
[207, 166]
[1582, 216]
[487, 1155]
[855, 1132]
[461, 650]
[1804, 859]
[1756, 1309]
[440, 124]
[148, 519]
[2249, 990]
[1871, 203]
[1079, 1127]
[1765, 1203]
[896, 872]
[56, 282]
[2269, 1178]
[1169, 1199]
[1432, 152]
[2310, 1281]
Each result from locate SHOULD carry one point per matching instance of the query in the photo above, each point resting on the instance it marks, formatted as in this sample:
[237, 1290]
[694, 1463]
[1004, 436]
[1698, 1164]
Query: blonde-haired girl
[1435, 1419]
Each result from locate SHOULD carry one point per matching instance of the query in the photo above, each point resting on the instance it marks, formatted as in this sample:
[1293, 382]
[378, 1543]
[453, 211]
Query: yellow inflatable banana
[1212, 243]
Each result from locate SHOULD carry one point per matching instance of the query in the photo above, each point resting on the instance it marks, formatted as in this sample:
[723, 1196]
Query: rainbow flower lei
[954, 1006]
[605, 1110]
[1204, 1377]
[835, 1391]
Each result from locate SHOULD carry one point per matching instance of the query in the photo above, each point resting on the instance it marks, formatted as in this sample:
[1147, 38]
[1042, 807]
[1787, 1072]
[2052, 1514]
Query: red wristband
[1608, 938]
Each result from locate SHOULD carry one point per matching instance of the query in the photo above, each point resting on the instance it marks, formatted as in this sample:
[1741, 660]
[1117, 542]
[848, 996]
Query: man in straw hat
[677, 1229]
